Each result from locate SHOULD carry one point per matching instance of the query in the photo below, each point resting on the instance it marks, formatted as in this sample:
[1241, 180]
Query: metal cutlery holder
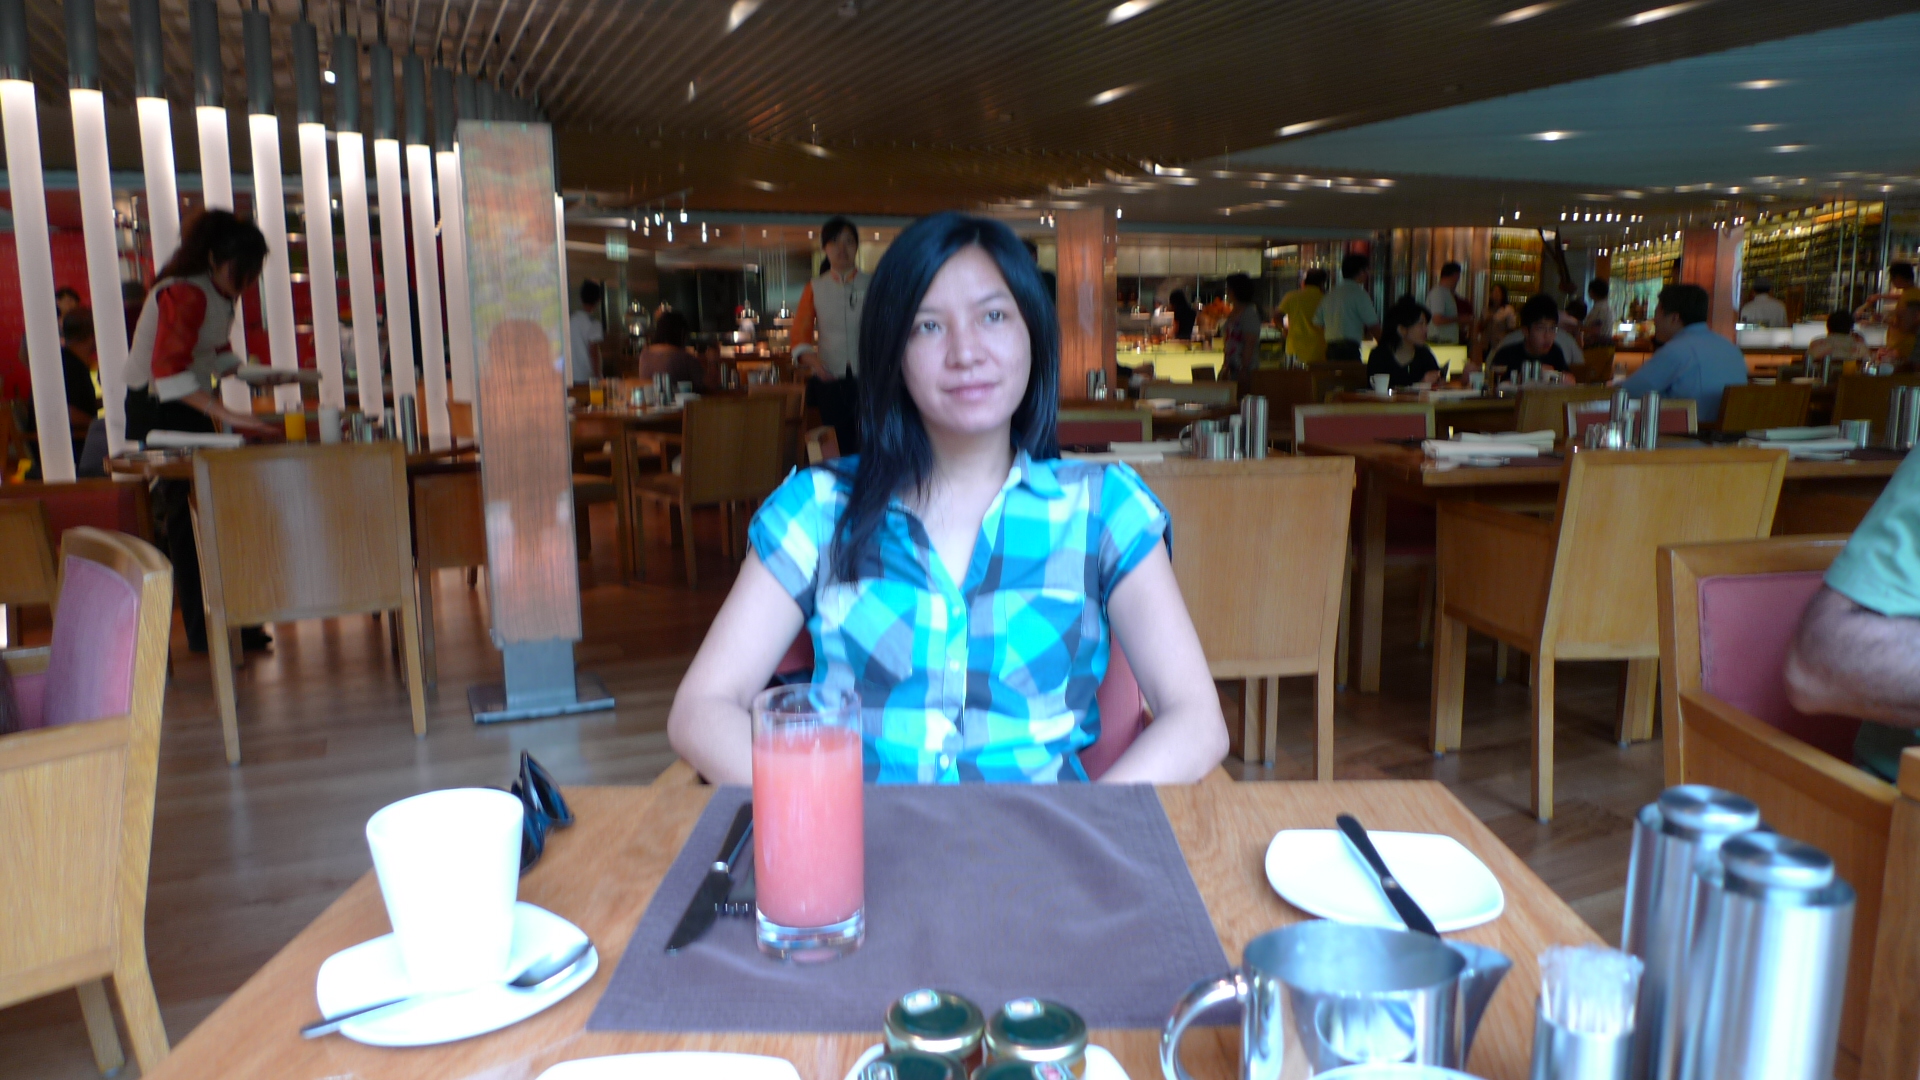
[1253, 416]
[1903, 418]
[1649, 431]
[1236, 436]
[409, 424]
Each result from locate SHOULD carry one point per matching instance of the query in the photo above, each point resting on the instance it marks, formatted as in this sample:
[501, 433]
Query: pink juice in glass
[809, 833]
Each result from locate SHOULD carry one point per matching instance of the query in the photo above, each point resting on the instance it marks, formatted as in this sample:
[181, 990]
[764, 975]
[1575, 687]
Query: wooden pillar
[1088, 243]
[1710, 258]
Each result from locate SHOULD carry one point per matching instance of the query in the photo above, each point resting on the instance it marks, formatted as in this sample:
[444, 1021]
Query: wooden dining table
[180, 466]
[617, 424]
[601, 874]
[1390, 470]
[1458, 413]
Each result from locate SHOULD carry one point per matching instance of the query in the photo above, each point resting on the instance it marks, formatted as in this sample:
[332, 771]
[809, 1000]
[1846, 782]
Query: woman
[666, 352]
[1241, 331]
[180, 350]
[1183, 313]
[830, 307]
[1499, 320]
[1402, 354]
[958, 575]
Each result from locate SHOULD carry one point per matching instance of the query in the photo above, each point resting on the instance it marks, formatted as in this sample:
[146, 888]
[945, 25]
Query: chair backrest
[1342, 425]
[793, 395]
[1866, 397]
[1544, 408]
[1196, 393]
[1751, 408]
[1803, 513]
[823, 444]
[27, 575]
[1123, 715]
[1617, 509]
[1678, 416]
[1342, 375]
[1082, 427]
[1728, 614]
[303, 531]
[1203, 374]
[731, 449]
[460, 419]
[113, 505]
[1258, 549]
[1285, 389]
[1598, 363]
[79, 795]
[449, 516]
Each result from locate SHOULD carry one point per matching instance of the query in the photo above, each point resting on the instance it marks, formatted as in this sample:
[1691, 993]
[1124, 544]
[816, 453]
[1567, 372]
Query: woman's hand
[1432, 378]
[709, 724]
[248, 425]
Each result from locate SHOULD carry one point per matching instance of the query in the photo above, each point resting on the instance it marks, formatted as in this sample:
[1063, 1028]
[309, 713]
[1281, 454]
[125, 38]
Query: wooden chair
[1258, 552]
[449, 533]
[303, 532]
[460, 420]
[1807, 513]
[1753, 408]
[1094, 426]
[1728, 614]
[27, 576]
[114, 505]
[1341, 375]
[1285, 390]
[1544, 408]
[1867, 397]
[76, 794]
[730, 453]
[1203, 374]
[792, 418]
[1678, 416]
[1596, 364]
[823, 444]
[1217, 394]
[1582, 586]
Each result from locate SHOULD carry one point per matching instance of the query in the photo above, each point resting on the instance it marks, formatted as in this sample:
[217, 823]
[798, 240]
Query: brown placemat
[1077, 893]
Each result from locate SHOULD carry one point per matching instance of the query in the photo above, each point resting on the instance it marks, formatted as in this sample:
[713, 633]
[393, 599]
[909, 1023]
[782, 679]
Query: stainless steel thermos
[1253, 426]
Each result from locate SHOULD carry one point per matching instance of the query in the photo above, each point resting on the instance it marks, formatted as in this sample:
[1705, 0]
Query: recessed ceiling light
[1108, 97]
[1304, 126]
[1655, 15]
[1122, 12]
[764, 185]
[1552, 136]
[328, 76]
[1761, 84]
[1763, 127]
[815, 149]
[1789, 148]
[740, 12]
[1522, 14]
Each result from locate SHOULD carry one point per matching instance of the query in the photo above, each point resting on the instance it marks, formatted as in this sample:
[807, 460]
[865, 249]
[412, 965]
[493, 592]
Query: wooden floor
[245, 857]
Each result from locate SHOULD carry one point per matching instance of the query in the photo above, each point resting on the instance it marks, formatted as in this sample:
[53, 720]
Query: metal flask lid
[1691, 811]
[1768, 864]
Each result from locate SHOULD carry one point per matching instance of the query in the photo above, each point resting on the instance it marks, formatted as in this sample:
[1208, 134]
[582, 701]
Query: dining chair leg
[1272, 711]
[1427, 574]
[1542, 672]
[393, 636]
[134, 987]
[1449, 682]
[1373, 588]
[99, 1017]
[416, 680]
[1250, 726]
[429, 663]
[1499, 662]
[13, 624]
[1343, 651]
[1638, 699]
[220, 651]
[686, 541]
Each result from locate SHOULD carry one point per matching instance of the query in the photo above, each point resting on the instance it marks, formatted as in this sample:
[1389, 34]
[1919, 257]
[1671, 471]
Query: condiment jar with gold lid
[1038, 1032]
[1022, 1070]
[912, 1065]
[936, 1022]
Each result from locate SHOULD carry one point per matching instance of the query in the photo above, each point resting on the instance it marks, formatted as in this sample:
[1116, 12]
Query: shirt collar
[1695, 330]
[1038, 476]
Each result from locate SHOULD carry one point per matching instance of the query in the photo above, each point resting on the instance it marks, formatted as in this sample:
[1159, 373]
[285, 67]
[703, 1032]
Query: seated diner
[1692, 361]
[1402, 355]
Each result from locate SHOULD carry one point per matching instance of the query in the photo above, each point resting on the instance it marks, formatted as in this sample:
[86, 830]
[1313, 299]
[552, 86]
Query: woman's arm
[709, 724]
[246, 425]
[1188, 736]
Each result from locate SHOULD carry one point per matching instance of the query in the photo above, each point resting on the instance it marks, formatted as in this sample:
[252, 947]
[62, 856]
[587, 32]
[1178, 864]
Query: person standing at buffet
[1903, 320]
[1306, 342]
[1348, 314]
[1443, 301]
[1597, 327]
[826, 332]
[1240, 331]
[587, 333]
[903, 564]
[1764, 309]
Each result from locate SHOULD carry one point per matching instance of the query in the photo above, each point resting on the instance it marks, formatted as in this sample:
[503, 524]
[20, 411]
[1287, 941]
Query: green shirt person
[1857, 652]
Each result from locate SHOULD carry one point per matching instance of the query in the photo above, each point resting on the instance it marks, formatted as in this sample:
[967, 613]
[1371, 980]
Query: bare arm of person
[245, 425]
[709, 725]
[1854, 661]
[1188, 736]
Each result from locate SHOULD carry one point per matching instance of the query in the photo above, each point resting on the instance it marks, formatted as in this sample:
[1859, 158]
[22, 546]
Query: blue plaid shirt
[989, 679]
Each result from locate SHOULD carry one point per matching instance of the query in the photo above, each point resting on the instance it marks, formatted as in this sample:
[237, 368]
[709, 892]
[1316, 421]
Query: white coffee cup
[1379, 383]
[1476, 379]
[329, 421]
[449, 869]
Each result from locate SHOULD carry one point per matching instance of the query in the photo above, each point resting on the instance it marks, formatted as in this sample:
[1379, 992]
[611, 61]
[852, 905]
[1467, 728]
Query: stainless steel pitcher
[1322, 995]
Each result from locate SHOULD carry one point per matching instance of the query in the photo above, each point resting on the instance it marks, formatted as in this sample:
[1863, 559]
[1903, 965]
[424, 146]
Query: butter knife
[1403, 905]
[705, 905]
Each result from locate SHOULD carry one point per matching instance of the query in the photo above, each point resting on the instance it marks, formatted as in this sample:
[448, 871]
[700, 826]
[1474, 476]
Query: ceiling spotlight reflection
[1108, 97]
[1761, 84]
[1522, 14]
[740, 12]
[1655, 15]
[1122, 12]
[1757, 128]
[1552, 136]
[1789, 148]
[1304, 126]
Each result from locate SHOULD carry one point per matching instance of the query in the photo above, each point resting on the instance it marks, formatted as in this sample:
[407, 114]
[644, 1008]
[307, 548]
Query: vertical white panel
[352, 150]
[216, 191]
[566, 290]
[276, 281]
[317, 194]
[426, 272]
[163, 196]
[33, 248]
[453, 253]
[103, 261]
[393, 259]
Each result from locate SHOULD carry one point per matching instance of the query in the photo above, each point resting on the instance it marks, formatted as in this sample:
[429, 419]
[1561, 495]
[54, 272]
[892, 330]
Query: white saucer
[1317, 871]
[371, 972]
[1101, 1065]
[674, 1066]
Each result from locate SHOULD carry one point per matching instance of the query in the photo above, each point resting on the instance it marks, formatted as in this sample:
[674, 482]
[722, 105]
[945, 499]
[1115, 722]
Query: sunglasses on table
[546, 809]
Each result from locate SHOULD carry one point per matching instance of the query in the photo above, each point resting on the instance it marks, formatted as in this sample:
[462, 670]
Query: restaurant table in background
[1393, 471]
[180, 466]
[1460, 414]
[620, 425]
[602, 873]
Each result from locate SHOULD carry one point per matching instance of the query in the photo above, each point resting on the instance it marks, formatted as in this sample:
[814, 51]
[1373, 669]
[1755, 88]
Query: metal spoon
[532, 977]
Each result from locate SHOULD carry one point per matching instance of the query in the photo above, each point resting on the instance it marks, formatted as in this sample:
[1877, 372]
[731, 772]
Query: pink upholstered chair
[113, 505]
[73, 875]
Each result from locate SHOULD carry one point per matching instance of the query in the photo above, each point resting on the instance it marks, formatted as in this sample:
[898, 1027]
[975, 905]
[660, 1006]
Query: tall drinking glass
[809, 834]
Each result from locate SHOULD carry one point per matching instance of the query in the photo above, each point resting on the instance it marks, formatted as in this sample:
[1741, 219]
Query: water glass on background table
[449, 869]
[809, 842]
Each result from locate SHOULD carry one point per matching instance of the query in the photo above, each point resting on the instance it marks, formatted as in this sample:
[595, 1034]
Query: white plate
[258, 373]
[1101, 1065]
[371, 971]
[674, 1066]
[1317, 871]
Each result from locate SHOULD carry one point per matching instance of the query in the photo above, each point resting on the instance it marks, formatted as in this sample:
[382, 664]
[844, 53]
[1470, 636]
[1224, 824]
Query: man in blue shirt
[1693, 362]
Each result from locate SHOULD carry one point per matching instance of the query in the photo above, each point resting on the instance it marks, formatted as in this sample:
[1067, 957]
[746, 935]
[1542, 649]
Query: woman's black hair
[1178, 302]
[1240, 288]
[669, 329]
[1840, 322]
[895, 454]
[1505, 298]
[216, 236]
[1405, 312]
[834, 227]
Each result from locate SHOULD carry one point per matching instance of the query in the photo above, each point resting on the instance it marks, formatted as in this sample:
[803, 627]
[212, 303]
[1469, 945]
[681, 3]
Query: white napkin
[187, 440]
[1799, 434]
[1443, 450]
[1541, 439]
[1802, 447]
